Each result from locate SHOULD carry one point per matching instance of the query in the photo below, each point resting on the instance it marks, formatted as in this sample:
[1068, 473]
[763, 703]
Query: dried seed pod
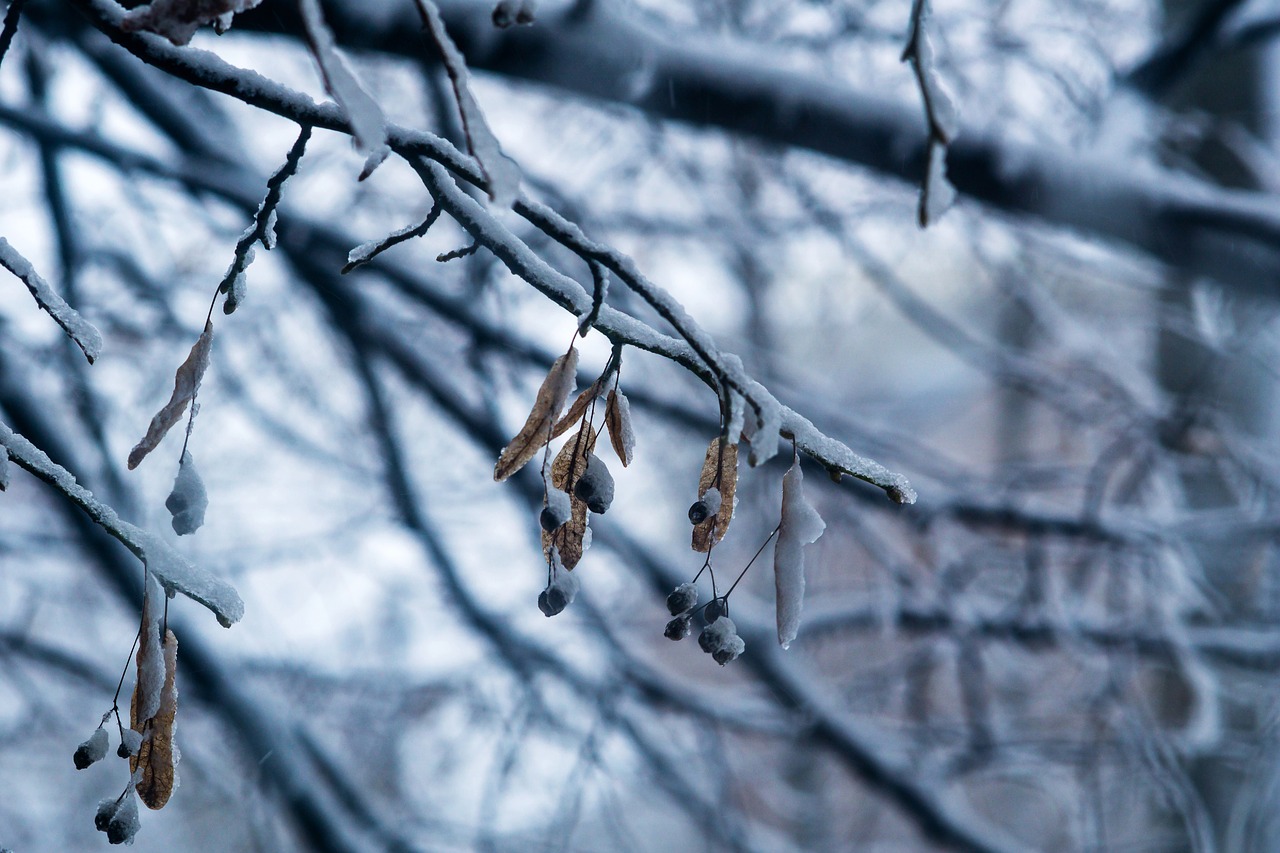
[617, 417]
[185, 384]
[678, 628]
[595, 486]
[536, 432]
[93, 750]
[682, 599]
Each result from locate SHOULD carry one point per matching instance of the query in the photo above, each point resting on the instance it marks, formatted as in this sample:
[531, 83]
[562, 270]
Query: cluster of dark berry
[116, 816]
[720, 636]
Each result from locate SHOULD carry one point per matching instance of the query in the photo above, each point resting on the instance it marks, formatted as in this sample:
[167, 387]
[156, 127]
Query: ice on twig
[936, 192]
[801, 525]
[937, 195]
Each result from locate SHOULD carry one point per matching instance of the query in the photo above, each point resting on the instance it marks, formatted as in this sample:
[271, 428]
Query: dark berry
[678, 628]
[682, 599]
[715, 609]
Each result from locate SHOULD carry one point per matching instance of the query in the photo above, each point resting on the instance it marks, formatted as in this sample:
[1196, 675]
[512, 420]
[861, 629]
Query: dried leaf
[570, 538]
[617, 417]
[186, 382]
[719, 471]
[156, 754]
[576, 411]
[536, 432]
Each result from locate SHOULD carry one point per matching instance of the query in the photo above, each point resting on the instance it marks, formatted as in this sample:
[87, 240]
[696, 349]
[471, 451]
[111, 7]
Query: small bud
[525, 15]
[714, 610]
[682, 599]
[678, 628]
[92, 750]
[699, 512]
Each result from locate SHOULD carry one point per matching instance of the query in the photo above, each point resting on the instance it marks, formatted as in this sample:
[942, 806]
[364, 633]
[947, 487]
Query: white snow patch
[711, 497]
[188, 500]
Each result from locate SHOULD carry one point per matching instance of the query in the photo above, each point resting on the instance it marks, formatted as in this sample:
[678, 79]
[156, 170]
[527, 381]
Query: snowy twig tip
[77, 328]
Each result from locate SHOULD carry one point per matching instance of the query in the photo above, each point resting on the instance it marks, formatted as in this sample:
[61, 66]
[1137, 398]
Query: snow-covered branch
[171, 568]
[694, 350]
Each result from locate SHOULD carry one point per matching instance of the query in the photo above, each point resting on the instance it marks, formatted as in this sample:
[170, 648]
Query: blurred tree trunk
[1231, 380]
